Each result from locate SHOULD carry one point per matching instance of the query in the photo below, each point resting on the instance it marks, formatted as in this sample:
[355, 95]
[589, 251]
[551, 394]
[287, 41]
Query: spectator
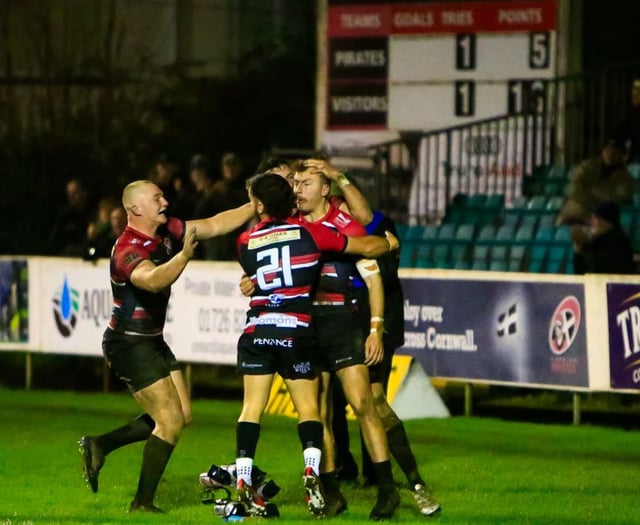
[203, 179]
[101, 225]
[607, 249]
[166, 175]
[595, 181]
[100, 245]
[69, 230]
[228, 192]
[627, 133]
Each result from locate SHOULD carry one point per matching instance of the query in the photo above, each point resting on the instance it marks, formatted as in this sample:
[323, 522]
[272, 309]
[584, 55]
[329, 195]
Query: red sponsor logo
[564, 325]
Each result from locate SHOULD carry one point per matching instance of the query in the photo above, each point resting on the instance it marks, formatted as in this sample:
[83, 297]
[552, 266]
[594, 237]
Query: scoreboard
[428, 65]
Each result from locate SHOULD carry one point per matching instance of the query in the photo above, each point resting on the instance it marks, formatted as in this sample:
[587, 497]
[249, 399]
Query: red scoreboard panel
[429, 65]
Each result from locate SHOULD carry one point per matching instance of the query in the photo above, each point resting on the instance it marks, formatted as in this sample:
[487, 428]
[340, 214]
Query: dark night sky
[611, 32]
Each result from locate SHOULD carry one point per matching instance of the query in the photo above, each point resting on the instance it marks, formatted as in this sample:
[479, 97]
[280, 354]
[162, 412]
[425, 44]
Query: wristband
[373, 331]
[377, 318]
[342, 180]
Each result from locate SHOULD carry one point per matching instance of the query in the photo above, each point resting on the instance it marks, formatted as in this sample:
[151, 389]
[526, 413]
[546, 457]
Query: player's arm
[154, 278]
[356, 204]
[370, 272]
[372, 246]
[223, 222]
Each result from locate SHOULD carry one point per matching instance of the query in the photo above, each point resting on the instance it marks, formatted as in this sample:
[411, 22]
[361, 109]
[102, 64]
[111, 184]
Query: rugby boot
[334, 502]
[386, 504]
[427, 504]
[92, 461]
[254, 504]
[315, 498]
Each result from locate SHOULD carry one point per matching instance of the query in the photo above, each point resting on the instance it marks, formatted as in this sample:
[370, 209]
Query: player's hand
[246, 286]
[189, 244]
[373, 349]
[394, 242]
[322, 166]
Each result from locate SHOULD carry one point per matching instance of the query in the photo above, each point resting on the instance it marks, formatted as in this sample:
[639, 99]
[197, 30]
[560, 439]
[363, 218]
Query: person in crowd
[594, 181]
[166, 174]
[393, 338]
[203, 179]
[341, 345]
[68, 234]
[627, 132]
[281, 256]
[146, 260]
[102, 222]
[100, 245]
[226, 193]
[605, 248]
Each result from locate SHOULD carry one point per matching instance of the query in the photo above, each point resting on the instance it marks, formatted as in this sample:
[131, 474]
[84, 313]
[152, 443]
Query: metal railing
[558, 121]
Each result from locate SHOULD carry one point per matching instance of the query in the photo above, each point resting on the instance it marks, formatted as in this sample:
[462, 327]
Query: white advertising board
[204, 320]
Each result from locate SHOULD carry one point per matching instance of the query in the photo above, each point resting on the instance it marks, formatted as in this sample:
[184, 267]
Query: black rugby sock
[310, 434]
[384, 476]
[136, 430]
[247, 435]
[155, 457]
[401, 450]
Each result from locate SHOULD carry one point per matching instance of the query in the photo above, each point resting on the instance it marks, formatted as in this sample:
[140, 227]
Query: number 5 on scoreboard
[539, 47]
[278, 262]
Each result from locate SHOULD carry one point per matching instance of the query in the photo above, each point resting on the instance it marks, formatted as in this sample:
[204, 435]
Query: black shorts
[137, 360]
[290, 356]
[340, 340]
[380, 373]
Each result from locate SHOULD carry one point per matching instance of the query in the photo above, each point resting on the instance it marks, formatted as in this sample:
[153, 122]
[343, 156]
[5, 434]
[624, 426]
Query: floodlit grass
[484, 471]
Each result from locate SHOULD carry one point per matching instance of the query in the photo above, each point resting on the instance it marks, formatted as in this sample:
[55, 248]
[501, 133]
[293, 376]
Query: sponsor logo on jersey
[275, 299]
[131, 257]
[279, 320]
[273, 341]
[66, 304]
[273, 237]
[251, 365]
[302, 368]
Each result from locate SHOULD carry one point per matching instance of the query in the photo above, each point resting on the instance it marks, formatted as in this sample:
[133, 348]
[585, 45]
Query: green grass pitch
[484, 471]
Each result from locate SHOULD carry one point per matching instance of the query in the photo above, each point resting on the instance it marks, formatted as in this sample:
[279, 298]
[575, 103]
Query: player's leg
[183, 395]
[304, 394]
[335, 501]
[138, 362]
[355, 383]
[161, 401]
[255, 398]
[346, 466]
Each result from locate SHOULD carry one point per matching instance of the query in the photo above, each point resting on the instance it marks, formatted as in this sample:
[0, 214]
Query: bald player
[146, 260]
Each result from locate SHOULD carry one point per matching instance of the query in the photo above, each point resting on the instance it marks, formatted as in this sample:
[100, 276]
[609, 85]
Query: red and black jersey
[136, 311]
[339, 276]
[282, 259]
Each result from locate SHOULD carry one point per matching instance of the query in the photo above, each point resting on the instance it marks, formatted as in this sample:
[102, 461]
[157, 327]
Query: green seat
[557, 258]
[498, 266]
[487, 234]
[479, 265]
[517, 258]
[538, 257]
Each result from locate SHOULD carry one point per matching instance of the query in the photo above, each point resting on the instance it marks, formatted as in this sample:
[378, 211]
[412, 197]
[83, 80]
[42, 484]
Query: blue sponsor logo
[276, 299]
